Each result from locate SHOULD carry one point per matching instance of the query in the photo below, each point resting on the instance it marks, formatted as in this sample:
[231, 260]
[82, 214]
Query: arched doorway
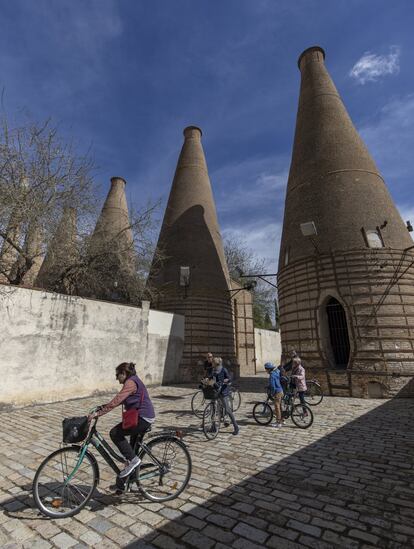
[338, 332]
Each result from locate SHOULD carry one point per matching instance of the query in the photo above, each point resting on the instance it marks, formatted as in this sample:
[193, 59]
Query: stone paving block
[174, 528]
[341, 511]
[218, 534]
[165, 542]
[64, 541]
[254, 521]
[243, 543]
[339, 540]
[279, 543]
[119, 535]
[150, 518]
[221, 521]
[119, 519]
[47, 529]
[196, 539]
[4, 538]
[307, 541]
[194, 522]
[251, 533]
[107, 543]
[141, 530]
[364, 536]
[304, 528]
[75, 528]
[91, 538]
[101, 525]
[171, 514]
[37, 543]
[330, 524]
[199, 512]
[283, 532]
[85, 516]
[243, 507]
[21, 533]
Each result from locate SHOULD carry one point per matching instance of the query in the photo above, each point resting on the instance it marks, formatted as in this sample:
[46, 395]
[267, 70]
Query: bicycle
[300, 414]
[314, 393]
[198, 401]
[68, 477]
[214, 413]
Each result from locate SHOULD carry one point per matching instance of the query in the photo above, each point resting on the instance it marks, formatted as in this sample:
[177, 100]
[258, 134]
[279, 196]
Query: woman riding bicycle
[134, 396]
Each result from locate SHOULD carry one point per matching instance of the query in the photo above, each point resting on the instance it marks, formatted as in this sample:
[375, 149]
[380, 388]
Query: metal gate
[338, 332]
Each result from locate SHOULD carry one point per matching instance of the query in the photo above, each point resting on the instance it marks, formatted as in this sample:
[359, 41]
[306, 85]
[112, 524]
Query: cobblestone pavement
[347, 482]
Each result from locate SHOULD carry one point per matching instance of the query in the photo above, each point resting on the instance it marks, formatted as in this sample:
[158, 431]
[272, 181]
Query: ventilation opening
[338, 332]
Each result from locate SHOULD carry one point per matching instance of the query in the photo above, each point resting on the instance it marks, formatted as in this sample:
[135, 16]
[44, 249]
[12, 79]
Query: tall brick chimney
[192, 278]
[344, 246]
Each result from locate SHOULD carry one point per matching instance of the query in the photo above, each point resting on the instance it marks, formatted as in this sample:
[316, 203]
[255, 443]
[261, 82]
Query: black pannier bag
[75, 429]
[210, 393]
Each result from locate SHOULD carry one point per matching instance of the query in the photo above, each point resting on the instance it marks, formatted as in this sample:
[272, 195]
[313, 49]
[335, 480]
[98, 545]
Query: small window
[373, 238]
[286, 256]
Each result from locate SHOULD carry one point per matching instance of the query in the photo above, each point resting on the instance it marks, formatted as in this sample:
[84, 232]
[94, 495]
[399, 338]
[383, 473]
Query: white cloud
[254, 183]
[371, 66]
[263, 237]
[390, 138]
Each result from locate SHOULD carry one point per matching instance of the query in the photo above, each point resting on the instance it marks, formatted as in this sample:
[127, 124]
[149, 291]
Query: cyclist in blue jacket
[275, 391]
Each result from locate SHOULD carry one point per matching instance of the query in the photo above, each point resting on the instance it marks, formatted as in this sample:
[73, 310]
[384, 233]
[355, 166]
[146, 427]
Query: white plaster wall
[54, 347]
[268, 347]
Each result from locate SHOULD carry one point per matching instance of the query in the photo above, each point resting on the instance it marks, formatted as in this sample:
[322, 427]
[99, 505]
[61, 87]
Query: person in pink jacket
[298, 378]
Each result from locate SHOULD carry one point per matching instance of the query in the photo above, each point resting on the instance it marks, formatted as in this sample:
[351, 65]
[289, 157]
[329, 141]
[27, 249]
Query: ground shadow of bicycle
[23, 506]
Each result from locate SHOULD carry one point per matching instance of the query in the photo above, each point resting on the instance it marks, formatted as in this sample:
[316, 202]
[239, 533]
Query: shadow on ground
[353, 488]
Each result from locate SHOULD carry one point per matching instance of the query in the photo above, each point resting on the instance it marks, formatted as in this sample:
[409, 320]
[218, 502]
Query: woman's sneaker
[118, 487]
[276, 425]
[133, 464]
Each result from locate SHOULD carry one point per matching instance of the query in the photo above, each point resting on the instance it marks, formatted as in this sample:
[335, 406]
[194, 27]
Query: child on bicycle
[298, 380]
[221, 377]
[275, 391]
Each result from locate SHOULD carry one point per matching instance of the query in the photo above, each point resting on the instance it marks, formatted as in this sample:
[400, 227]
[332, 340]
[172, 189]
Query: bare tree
[115, 267]
[48, 210]
[40, 176]
[242, 260]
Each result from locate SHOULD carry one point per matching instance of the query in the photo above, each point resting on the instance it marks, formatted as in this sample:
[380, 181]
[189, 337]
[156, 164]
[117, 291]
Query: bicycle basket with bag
[210, 393]
[75, 429]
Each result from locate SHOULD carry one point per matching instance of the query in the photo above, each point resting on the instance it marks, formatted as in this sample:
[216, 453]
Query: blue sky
[126, 76]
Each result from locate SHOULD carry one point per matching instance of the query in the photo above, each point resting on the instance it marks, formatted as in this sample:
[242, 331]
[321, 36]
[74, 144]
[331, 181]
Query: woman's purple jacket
[140, 400]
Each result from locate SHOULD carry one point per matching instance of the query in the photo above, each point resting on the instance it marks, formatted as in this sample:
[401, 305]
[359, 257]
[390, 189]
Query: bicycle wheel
[63, 485]
[302, 416]
[197, 404]
[235, 399]
[211, 420]
[314, 393]
[165, 470]
[262, 413]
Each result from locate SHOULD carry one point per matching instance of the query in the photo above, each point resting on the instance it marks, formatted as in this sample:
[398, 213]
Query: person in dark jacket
[222, 378]
[287, 367]
[133, 395]
[208, 365]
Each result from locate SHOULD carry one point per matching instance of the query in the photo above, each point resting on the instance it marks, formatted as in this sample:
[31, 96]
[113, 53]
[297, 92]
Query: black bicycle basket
[75, 429]
[210, 393]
